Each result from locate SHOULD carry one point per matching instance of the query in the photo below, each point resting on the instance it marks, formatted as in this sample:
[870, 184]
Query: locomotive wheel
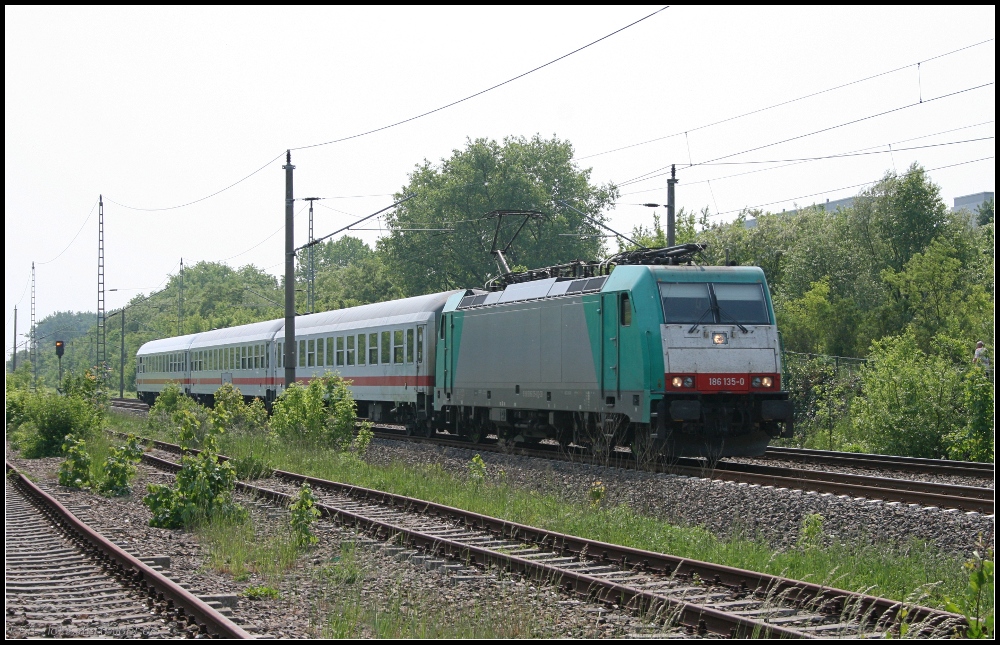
[476, 432]
[425, 429]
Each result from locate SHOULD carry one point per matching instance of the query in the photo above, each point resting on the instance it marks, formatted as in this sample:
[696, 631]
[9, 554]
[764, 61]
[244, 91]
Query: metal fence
[821, 389]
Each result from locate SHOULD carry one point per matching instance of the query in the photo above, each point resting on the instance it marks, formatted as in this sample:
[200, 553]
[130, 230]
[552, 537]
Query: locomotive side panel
[534, 355]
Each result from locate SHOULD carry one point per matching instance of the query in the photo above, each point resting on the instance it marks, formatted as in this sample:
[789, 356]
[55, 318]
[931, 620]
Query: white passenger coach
[384, 349]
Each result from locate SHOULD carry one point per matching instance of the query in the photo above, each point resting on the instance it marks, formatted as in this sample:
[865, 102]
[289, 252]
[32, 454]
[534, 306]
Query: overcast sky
[156, 107]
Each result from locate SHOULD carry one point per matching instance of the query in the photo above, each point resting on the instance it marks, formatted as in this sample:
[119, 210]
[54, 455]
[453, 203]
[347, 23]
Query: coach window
[258, 356]
[350, 350]
[409, 345]
[311, 361]
[626, 311]
[362, 355]
[397, 347]
[373, 349]
[386, 353]
[320, 352]
[302, 353]
[420, 344]
[340, 351]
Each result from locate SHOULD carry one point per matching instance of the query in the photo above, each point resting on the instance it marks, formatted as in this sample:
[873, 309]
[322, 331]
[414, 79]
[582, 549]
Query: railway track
[62, 578]
[701, 596]
[884, 462]
[927, 494]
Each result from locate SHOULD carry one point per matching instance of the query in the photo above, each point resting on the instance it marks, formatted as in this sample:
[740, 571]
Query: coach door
[448, 338]
[610, 354]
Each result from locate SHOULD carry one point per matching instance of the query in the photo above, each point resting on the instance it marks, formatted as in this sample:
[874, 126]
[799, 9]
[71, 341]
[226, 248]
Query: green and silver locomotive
[647, 350]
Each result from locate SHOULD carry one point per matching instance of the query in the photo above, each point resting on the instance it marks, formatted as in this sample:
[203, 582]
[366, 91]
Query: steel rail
[878, 611]
[128, 566]
[965, 498]
[867, 460]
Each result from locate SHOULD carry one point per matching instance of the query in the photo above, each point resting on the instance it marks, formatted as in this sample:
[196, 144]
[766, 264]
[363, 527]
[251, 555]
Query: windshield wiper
[735, 322]
[694, 327]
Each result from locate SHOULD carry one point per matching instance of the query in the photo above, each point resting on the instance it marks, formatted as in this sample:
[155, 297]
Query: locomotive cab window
[714, 303]
[626, 311]
[686, 303]
[741, 303]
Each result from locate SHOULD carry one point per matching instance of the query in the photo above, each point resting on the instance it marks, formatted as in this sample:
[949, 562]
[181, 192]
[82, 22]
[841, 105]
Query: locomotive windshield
[718, 303]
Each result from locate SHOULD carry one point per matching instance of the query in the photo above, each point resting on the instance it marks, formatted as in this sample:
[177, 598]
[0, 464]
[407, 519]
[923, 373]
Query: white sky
[155, 107]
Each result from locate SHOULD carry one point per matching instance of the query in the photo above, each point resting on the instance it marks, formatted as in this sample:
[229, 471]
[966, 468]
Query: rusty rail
[128, 566]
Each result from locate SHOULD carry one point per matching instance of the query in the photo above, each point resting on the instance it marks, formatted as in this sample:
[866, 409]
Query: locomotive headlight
[720, 338]
[767, 381]
[755, 381]
[688, 381]
[677, 381]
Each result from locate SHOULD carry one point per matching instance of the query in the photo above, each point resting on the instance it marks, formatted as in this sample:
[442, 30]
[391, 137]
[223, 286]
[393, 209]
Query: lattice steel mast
[101, 345]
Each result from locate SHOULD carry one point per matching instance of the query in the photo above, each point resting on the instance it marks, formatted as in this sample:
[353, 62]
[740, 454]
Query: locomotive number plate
[722, 382]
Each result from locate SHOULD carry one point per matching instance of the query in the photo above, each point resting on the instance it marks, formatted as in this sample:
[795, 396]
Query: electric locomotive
[647, 349]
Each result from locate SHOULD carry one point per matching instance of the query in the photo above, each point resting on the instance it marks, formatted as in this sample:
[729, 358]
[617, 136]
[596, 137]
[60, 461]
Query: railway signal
[60, 349]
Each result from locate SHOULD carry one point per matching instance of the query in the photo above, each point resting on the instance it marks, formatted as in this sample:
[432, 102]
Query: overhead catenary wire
[789, 101]
[845, 154]
[832, 190]
[488, 89]
[82, 226]
[809, 160]
[645, 176]
[200, 199]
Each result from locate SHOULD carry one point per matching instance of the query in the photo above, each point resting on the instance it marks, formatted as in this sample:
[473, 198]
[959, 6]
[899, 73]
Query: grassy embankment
[915, 572]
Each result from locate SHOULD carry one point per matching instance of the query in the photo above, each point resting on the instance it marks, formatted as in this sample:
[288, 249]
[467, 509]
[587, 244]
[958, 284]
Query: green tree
[984, 213]
[520, 173]
[686, 227]
[912, 401]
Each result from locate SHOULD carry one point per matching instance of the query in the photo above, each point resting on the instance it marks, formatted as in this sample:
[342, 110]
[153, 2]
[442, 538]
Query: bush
[204, 485]
[119, 467]
[323, 410]
[975, 440]
[303, 514]
[47, 418]
[75, 471]
[170, 405]
[912, 401]
[244, 417]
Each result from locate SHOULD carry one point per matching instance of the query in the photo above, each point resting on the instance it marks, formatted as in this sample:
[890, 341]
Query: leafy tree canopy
[455, 196]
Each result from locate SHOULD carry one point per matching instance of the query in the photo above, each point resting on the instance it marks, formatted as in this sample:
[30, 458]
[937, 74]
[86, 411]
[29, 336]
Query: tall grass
[888, 570]
[348, 602]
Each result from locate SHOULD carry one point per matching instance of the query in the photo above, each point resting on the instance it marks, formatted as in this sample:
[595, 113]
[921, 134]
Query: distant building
[971, 202]
[828, 206]
[965, 202]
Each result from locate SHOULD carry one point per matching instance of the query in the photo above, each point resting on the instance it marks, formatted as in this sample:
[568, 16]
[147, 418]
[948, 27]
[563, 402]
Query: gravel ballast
[317, 599]
[724, 508]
